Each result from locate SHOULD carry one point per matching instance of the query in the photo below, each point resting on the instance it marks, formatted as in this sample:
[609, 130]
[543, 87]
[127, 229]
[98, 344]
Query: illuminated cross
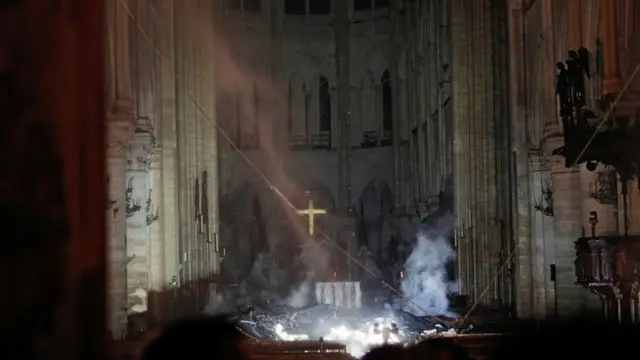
[311, 212]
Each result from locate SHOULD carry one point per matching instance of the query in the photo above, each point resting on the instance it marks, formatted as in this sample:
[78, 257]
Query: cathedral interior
[449, 159]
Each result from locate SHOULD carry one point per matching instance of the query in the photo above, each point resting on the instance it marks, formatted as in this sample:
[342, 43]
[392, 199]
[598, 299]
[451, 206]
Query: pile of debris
[353, 327]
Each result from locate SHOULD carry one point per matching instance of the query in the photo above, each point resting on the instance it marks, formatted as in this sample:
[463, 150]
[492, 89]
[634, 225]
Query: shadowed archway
[245, 235]
[373, 210]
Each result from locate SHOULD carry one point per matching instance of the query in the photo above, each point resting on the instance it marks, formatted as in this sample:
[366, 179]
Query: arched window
[295, 7]
[387, 104]
[319, 6]
[324, 99]
[234, 4]
[361, 4]
[381, 4]
[289, 108]
[252, 5]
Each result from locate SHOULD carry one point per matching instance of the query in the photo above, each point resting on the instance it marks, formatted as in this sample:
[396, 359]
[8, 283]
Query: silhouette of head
[386, 352]
[438, 349]
[202, 337]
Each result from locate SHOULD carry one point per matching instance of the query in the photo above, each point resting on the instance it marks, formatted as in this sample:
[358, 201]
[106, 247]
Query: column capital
[121, 109]
[119, 132]
[141, 152]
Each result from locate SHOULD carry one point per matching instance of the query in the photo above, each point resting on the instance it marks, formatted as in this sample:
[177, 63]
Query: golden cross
[311, 212]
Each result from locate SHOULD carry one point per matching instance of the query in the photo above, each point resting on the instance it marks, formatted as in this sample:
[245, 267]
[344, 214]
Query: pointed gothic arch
[243, 218]
[324, 104]
[373, 210]
[387, 107]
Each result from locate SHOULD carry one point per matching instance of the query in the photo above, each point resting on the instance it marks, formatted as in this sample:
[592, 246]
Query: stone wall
[162, 161]
[549, 29]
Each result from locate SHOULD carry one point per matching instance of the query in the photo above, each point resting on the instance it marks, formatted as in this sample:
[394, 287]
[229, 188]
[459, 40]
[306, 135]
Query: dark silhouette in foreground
[198, 338]
[387, 352]
[438, 349]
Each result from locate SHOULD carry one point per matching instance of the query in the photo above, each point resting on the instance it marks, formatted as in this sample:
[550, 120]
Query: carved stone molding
[141, 153]
[539, 161]
[144, 125]
[121, 109]
[119, 132]
[117, 149]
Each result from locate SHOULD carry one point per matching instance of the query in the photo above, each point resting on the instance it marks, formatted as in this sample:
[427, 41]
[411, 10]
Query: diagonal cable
[605, 117]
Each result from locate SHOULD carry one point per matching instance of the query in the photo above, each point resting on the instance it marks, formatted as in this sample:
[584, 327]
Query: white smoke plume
[425, 282]
[315, 258]
[299, 297]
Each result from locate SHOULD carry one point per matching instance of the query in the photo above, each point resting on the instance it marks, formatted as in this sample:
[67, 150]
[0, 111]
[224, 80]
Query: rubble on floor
[352, 327]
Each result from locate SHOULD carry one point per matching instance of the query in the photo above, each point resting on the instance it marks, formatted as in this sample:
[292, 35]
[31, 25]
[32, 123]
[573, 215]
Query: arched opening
[379, 4]
[319, 7]
[243, 237]
[295, 7]
[361, 5]
[253, 5]
[324, 105]
[387, 108]
[373, 210]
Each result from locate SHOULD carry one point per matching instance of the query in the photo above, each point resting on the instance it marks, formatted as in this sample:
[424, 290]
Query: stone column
[420, 93]
[120, 125]
[211, 163]
[533, 261]
[153, 204]
[567, 211]
[394, 58]
[145, 69]
[118, 134]
[611, 83]
[168, 140]
[182, 152]
[482, 178]
[137, 238]
[343, 90]
[118, 70]
[519, 140]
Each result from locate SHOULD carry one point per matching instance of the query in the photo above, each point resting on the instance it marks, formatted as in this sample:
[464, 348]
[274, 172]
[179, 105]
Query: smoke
[315, 259]
[425, 283]
[299, 297]
[217, 304]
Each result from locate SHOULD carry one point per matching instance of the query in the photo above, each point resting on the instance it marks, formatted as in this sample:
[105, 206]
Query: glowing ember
[358, 341]
[283, 335]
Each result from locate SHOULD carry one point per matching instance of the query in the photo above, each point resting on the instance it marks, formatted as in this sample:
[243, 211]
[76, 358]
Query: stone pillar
[152, 207]
[120, 125]
[611, 83]
[118, 134]
[534, 281]
[137, 238]
[482, 178]
[211, 162]
[145, 69]
[182, 106]
[567, 210]
[119, 68]
[519, 139]
[394, 58]
[168, 220]
[343, 90]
